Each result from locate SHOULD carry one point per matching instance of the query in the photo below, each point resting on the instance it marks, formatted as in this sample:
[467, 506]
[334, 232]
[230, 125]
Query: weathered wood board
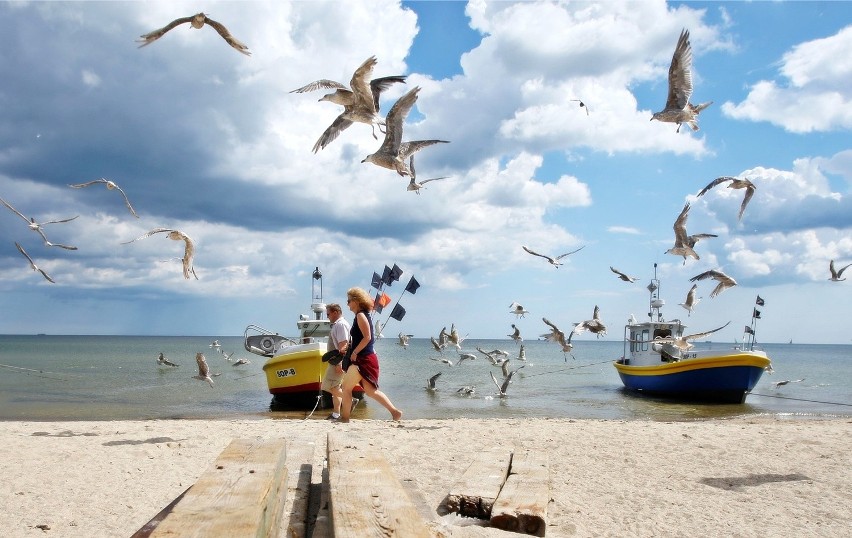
[522, 503]
[477, 489]
[366, 498]
[300, 463]
[241, 494]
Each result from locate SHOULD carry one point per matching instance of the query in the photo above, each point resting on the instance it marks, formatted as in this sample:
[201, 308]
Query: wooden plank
[477, 489]
[239, 495]
[366, 497]
[300, 463]
[522, 503]
[149, 527]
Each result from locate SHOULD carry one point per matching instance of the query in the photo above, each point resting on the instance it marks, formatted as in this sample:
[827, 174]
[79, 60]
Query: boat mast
[317, 305]
[655, 303]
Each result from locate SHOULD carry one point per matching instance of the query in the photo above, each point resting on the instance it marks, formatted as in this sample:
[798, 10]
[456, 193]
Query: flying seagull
[110, 185]
[594, 325]
[553, 260]
[724, 281]
[454, 336]
[413, 184]
[735, 183]
[465, 357]
[438, 347]
[558, 336]
[582, 105]
[623, 276]
[518, 310]
[492, 356]
[360, 101]
[33, 265]
[683, 342]
[516, 334]
[203, 369]
[681, 245]
[36, 226]
[507, 379]
[196, 21]
[240, 362]
[163, 361]
[430, 383]
[176, 235]
[835, 274]
[678, 109]
[403, 340]
[445, 360]
[393, 152]
[691, 300]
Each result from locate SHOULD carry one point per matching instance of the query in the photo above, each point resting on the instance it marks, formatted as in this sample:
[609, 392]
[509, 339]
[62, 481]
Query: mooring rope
[27, 370]
[799, 399]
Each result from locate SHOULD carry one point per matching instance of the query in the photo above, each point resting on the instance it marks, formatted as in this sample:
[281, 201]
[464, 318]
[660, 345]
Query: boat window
[662, 333]
[639, 341]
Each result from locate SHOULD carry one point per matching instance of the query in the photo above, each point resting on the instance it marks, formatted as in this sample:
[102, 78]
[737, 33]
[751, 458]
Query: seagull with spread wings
[594, 325]
[553, 260]
[735, 183]
[203, 369]
[507, 379]
[33, 265]
[413, 184]
[683, 343]
[516, 334]
[176, 235]
[678, 109]
[430, 383]
[835, 273]
[623, 276]
[110, 185]
[393, 152]
[518, 310]
[691, 300]
[682, 245]
[724, 281]
[360, 101]
[558, 336]
[196, 21]
[36, 226]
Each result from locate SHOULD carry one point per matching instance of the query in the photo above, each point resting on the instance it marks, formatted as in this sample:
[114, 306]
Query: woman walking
[363, 367]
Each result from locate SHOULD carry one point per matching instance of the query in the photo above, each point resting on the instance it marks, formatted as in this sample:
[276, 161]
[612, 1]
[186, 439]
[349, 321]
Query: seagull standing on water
[430, 383]
[403, 340]
[724, 281]
[554, 261]
[196, 21]
[33, 265]
[735, 183]
[176, 235]
[836, 274]
[203, 369]
[678, 109]
[507, 379]
[163, 361]
[36, 226]
[360, 101]
[110, 185]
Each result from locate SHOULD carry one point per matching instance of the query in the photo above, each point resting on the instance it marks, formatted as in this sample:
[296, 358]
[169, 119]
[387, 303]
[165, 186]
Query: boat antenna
[654, 302]
[317, 305]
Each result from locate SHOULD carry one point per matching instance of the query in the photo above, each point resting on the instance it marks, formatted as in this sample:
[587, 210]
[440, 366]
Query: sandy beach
[734, 477]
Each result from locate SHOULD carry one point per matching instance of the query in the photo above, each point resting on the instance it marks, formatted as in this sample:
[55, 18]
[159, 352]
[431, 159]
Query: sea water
[117, 378]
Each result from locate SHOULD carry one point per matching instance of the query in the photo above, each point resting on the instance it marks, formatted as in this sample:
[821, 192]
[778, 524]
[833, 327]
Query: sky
[213, 143]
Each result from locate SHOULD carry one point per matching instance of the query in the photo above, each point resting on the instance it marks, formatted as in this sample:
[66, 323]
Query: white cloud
[817, 94]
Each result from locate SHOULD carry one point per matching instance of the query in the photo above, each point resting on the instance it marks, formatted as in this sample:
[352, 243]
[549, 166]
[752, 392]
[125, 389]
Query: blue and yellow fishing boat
[652, 365]
[294, 368]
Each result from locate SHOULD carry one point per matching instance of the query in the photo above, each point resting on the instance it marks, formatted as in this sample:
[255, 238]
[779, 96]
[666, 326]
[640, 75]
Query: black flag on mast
[398, 312]
[412, 286]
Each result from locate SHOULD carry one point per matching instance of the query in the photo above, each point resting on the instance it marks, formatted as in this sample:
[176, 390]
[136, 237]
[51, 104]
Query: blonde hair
[365, 302]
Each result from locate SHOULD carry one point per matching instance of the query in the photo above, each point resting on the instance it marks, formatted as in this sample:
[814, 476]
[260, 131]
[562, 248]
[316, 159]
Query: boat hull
[294, 375]
[723, 379]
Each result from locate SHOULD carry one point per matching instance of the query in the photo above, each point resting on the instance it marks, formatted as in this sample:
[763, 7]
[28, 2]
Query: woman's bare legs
[353, 378]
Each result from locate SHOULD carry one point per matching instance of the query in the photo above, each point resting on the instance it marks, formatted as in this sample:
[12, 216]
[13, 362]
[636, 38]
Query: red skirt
[368, 367]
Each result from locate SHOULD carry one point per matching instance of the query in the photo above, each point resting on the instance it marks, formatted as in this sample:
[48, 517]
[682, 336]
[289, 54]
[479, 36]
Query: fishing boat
[294, 368]
[652, 365]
